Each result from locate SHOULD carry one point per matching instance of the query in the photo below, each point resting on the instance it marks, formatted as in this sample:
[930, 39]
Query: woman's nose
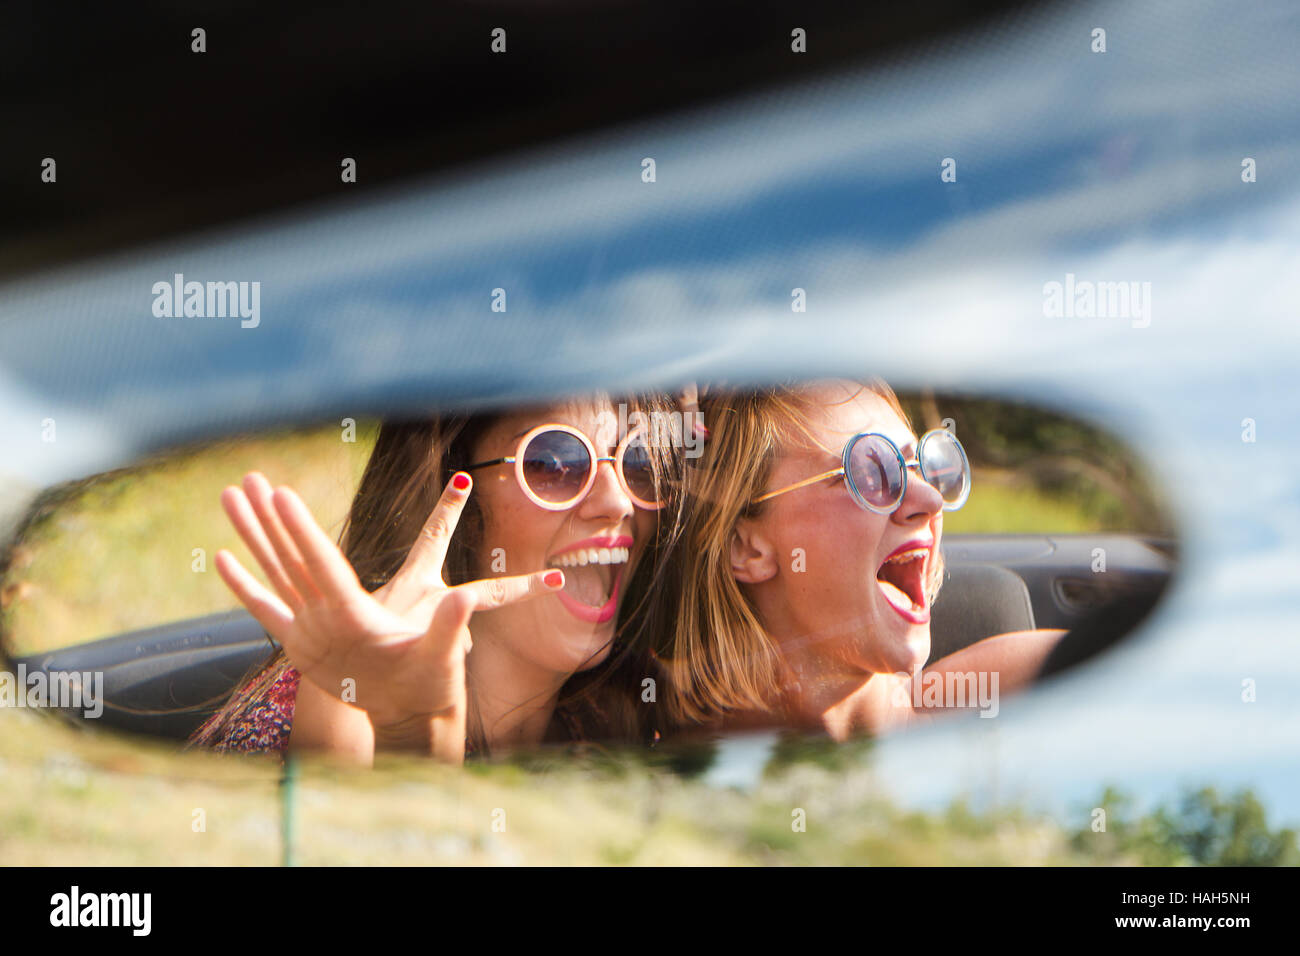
[606, 499]
[920, 500]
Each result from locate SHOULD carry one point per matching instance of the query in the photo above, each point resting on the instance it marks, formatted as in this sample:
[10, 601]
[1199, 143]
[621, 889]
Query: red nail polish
[460, 482]
[554, 579]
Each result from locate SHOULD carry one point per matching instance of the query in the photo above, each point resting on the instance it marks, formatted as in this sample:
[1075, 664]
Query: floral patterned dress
[266, 727]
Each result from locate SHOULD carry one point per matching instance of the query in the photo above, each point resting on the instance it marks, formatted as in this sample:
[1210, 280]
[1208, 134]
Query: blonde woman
[809, 562]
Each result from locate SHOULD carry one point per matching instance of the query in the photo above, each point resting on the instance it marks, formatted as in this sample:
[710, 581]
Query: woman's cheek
[807, 560]
[828, 542]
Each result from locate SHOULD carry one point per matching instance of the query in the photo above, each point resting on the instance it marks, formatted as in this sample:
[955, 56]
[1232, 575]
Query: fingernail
[554, 580]
[461, 481]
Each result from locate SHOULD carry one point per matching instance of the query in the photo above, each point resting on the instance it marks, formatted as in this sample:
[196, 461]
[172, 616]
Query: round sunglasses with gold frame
[876, 471]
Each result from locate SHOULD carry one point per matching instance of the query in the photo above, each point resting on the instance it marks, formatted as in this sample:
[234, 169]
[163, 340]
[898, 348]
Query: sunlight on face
[858, 594]
[572, 630]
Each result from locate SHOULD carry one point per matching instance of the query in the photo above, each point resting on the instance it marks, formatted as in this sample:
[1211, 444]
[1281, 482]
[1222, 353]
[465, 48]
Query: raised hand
[404, 646]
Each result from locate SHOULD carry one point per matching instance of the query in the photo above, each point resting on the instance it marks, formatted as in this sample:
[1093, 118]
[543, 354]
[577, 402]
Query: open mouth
[901, 580]
[592, 574]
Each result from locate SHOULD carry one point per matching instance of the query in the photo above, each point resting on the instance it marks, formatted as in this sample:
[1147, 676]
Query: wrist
[412, 734]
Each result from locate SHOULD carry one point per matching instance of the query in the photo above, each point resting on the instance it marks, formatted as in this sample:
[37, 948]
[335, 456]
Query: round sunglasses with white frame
[555, 466]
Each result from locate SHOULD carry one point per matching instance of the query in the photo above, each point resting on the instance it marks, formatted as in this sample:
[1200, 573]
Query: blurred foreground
[80, 798]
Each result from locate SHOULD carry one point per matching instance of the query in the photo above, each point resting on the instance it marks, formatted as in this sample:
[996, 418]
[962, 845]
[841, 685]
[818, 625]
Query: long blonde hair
[718, 653]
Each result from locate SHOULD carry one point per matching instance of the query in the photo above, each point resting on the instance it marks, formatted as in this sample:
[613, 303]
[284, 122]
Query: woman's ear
[753, 559]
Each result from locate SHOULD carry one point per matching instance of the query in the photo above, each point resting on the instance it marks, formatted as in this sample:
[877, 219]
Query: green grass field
[1000, 504]
[122, 554]
[79, 797]
[73, 797]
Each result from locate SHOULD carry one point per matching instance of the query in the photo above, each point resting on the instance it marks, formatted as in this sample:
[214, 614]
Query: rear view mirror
[113, 602]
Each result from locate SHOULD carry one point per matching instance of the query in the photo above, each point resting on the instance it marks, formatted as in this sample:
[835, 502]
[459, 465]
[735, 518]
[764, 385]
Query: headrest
[975, 602]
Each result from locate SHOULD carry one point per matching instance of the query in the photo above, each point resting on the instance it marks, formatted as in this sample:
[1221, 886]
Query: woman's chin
[910, 649]
[596, 658]
[918, 641]
[906, 643]
[586, 645]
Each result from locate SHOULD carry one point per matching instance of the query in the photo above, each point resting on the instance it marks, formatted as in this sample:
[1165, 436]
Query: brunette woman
[485, 595]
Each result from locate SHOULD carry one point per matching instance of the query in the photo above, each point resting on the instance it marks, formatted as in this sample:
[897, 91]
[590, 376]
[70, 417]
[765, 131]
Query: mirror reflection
[647, 571]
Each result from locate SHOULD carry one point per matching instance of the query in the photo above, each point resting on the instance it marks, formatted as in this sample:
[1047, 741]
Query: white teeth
[574, 559]
[906, 556]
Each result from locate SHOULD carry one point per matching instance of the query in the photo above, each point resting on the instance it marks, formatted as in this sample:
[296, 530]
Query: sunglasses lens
[943, 465]
[556, 465]
[638, 473]
[876, 472]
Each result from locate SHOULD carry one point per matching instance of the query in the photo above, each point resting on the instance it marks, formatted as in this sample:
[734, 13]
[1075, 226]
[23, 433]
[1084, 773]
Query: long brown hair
[411, 463]
[719, 656]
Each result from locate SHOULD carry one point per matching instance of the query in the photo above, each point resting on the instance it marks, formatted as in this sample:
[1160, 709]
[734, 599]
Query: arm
[440, 737]
[1015, 659]
[324, 723]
